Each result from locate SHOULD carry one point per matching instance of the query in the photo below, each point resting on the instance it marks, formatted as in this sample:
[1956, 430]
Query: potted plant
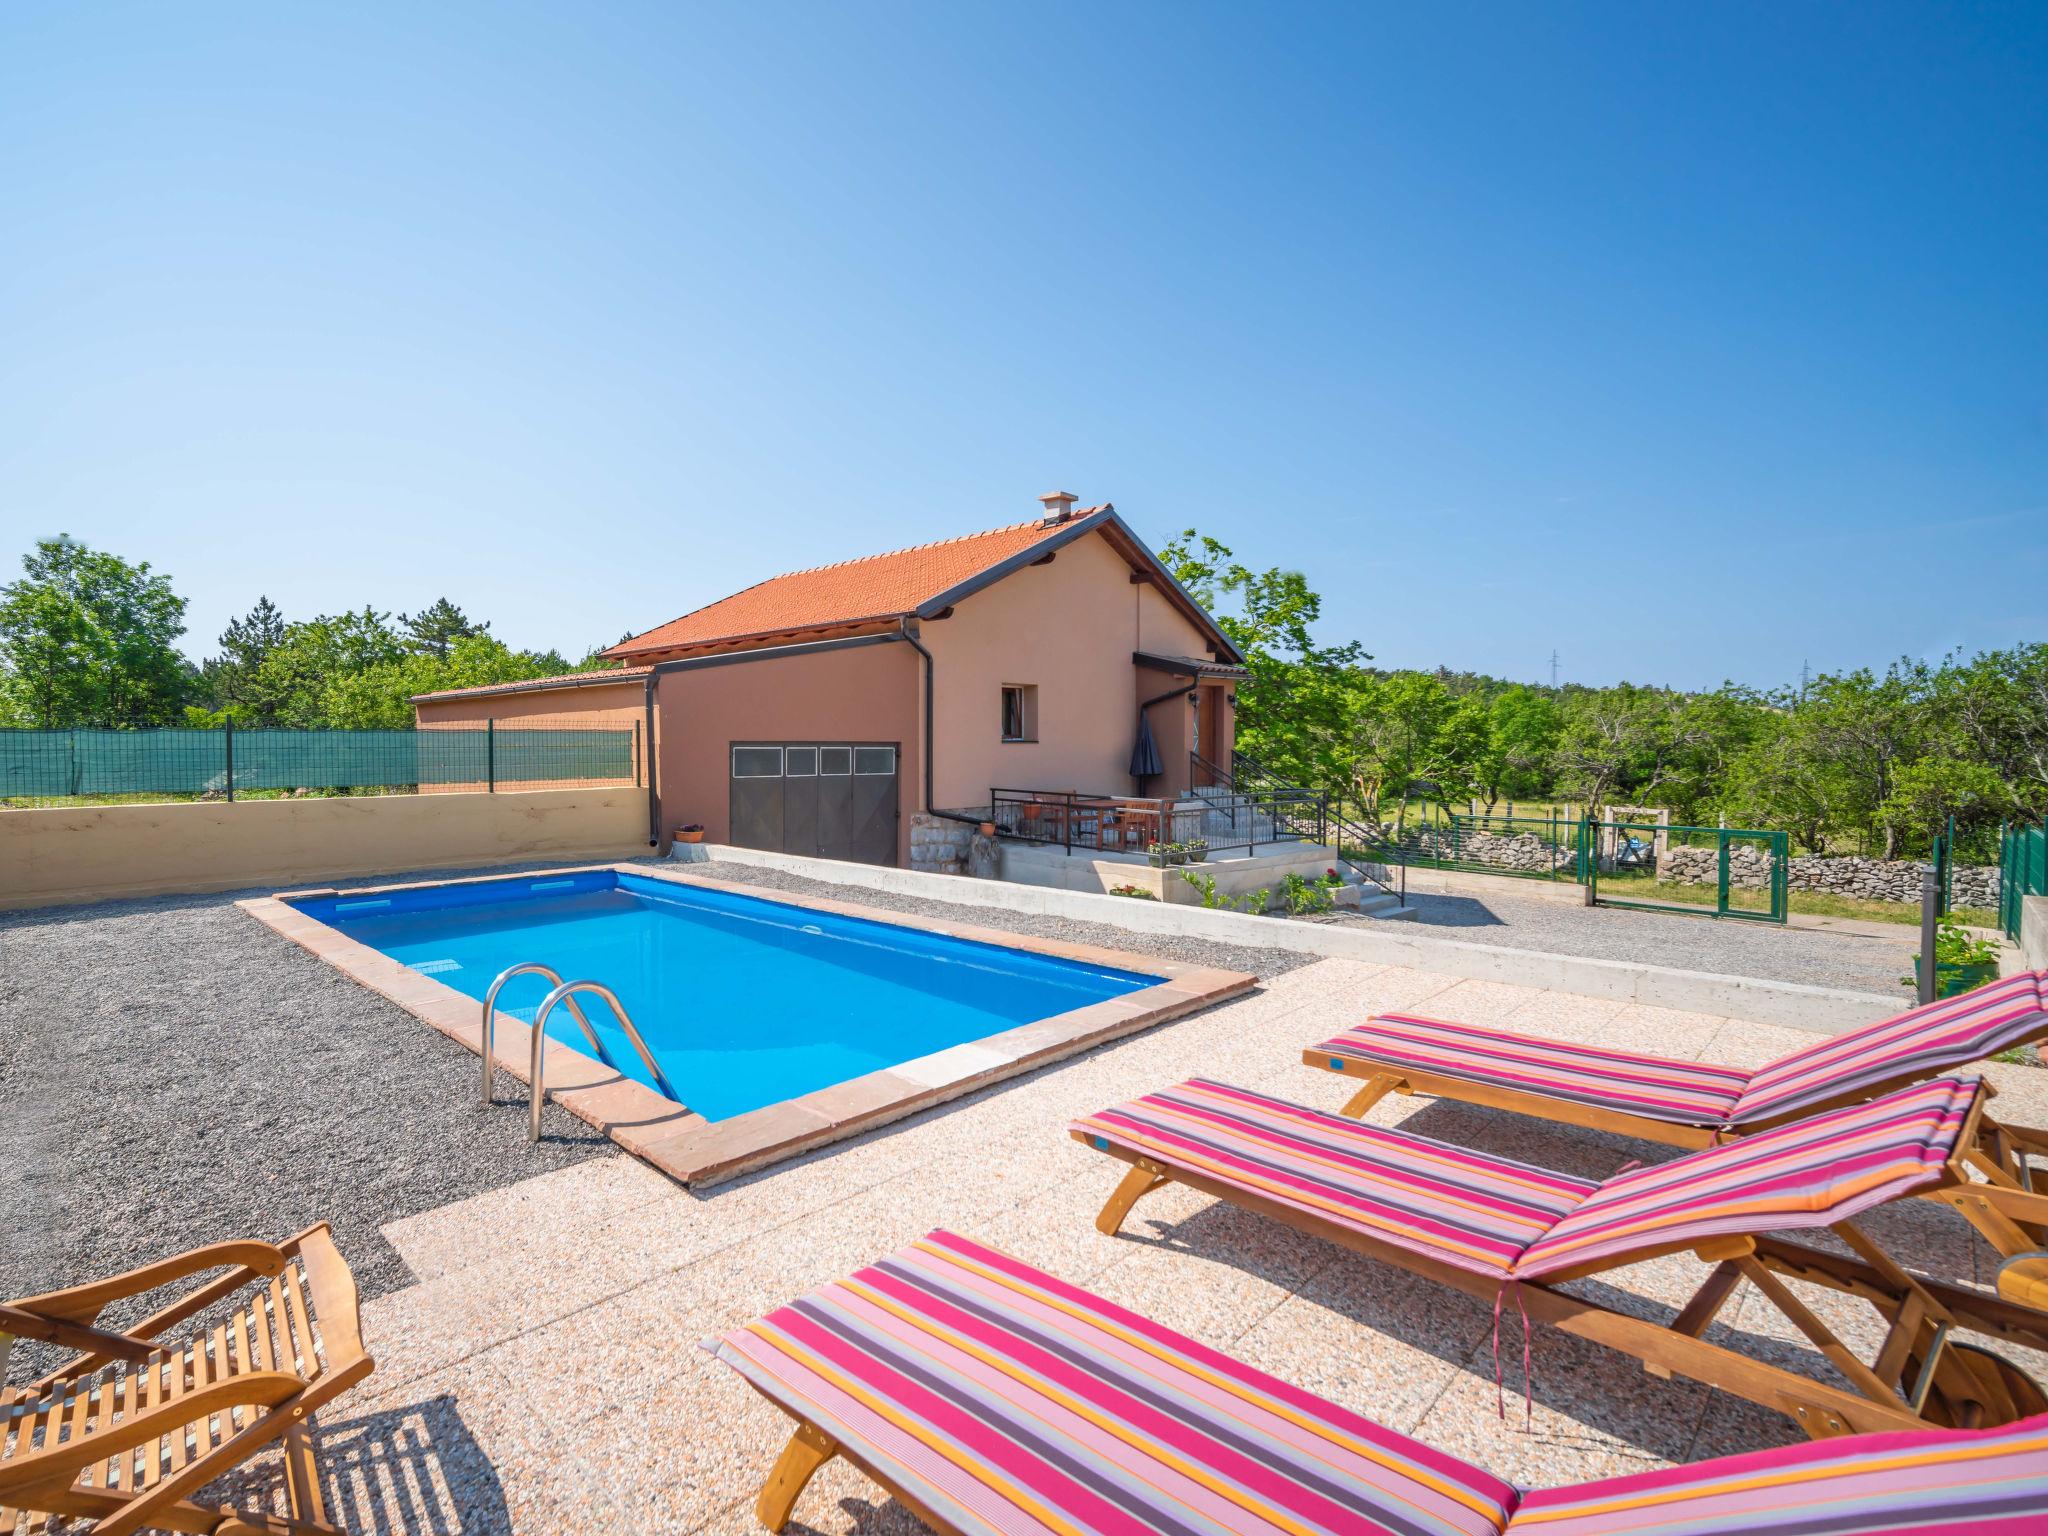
[1159, 854]
[1962, 961]
[693, 833]
[1198, 850]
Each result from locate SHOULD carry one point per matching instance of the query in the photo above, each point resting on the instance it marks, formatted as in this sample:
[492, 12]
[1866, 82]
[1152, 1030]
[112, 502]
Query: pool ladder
[564, 992]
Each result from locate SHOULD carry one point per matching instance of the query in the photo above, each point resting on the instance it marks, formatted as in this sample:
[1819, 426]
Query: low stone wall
[1523, 852]
[1842, 875]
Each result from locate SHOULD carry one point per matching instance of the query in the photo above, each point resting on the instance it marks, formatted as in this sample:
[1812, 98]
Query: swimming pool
[745, 1002]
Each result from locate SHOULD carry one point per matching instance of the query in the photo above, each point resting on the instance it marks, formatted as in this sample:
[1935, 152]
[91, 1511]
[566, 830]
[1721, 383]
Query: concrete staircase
[1223, 824]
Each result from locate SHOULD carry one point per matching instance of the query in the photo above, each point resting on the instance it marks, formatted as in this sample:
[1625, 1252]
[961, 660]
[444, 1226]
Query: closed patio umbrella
[1145, 762]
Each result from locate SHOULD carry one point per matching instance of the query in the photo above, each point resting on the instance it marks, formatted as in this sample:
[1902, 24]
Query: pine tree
[431, 631]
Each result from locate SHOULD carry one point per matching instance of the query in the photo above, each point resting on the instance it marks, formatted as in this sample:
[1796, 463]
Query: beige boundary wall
[97, 852]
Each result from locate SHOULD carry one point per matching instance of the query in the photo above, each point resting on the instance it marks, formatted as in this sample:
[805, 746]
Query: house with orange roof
[876, 708]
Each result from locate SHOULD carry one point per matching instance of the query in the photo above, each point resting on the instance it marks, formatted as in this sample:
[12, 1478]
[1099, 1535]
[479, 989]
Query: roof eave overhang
[1125, 541]
[613, 680]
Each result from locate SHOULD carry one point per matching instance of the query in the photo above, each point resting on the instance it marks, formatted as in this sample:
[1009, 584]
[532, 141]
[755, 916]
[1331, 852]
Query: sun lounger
[132, 1428]
[1491, 1226]
[1696, 1104]
[1684, 1103]
[992, 1399]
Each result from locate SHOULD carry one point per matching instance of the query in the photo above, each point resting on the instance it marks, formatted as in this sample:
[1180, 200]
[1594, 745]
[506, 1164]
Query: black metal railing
[1071, 818]
[1365, 851]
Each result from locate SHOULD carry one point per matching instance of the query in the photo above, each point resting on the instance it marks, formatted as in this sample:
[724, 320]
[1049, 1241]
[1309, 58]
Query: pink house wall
[866, 694]
[1068, 628]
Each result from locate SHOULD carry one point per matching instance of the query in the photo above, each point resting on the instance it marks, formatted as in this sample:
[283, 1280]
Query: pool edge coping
[700, 1152]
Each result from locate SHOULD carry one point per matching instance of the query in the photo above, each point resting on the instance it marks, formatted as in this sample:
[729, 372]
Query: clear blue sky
[1692, 342]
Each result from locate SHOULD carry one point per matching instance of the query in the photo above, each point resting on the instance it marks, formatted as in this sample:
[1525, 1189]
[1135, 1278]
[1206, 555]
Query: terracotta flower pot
[689, 837]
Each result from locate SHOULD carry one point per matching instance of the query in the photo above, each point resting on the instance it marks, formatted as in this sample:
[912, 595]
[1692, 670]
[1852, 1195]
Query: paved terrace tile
[543, 1373]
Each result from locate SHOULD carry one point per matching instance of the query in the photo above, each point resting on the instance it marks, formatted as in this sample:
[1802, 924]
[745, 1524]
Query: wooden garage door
[833, 800]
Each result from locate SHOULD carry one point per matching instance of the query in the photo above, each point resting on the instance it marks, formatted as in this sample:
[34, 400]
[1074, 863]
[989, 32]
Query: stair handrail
[1250, 778]
[565, 993]
[490, 1021]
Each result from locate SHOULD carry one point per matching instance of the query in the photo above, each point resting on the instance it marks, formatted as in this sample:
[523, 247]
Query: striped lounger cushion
[1823, 1169]
[1002, 1402]
[1686, 1092]
[1941, 1037]
[1462, 1207]
[1944, 1482]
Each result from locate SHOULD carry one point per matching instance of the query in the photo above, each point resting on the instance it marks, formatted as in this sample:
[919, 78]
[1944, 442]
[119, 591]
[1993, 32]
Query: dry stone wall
[1842, 875]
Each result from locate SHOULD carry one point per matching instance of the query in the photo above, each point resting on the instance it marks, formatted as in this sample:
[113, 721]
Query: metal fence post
[490, 757]
[230, 745]
[1930, 899]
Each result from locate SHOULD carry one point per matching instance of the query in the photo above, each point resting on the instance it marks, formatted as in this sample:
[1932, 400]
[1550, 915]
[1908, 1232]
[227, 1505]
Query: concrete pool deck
[542, 1373]
[701, 1152]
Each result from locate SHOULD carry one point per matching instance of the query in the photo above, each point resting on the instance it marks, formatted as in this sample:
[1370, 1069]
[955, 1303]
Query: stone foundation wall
[1843, 875]
[938, 846]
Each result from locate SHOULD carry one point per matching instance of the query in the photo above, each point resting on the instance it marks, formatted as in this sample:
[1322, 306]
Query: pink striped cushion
[1944, 1036]
[1811, 1173]
[1430, 1197]
[1943, 1482]
[1685, 1092]
[1004, 1402]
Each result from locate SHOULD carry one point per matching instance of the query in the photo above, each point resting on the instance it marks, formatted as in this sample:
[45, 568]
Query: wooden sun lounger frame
[280, 1402]
[1917, 1378]
[2004, 1206]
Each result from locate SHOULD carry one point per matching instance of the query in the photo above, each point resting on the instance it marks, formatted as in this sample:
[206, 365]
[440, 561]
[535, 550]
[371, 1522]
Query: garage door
[835, 800]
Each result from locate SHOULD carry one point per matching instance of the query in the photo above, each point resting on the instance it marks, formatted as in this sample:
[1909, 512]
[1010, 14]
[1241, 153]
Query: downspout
[929, 808]
[653, 794]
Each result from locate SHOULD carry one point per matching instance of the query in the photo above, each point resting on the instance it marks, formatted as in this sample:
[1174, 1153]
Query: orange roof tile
[560, 680]
[875, 587]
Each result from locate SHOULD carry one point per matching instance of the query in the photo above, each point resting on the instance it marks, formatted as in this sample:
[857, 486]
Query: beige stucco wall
[93, 853]
[1068, 628]
[867, 694]
[613, 706]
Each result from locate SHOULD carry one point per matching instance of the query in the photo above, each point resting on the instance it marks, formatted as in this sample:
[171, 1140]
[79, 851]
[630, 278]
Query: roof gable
[920, 581]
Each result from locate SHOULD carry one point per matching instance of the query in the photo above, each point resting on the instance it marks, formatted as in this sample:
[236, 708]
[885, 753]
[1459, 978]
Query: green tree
[87, 638]
[234, 678]
[316, 654]
[379, 697]
[1291, 712]
[1523, 727]
[1929, 790]
[434, 630]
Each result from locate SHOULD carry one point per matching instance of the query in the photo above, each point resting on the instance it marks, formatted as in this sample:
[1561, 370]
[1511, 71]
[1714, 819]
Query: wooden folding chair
[129, 1430]
[1486, 1225]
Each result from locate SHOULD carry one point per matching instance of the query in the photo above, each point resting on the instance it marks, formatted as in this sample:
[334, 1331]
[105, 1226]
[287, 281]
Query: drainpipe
[647, 762]
[929, 808]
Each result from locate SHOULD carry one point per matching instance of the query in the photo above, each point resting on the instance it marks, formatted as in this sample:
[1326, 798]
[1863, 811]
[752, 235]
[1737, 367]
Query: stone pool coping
[701, 1152]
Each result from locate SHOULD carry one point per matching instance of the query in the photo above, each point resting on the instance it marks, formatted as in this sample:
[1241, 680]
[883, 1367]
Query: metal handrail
[530, 968]
[565, 993]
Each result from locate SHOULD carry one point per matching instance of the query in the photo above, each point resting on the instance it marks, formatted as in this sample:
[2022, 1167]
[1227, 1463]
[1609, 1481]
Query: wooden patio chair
[1492, 1227]
[992, 1399]
[128, 1431]
[1698, 1104]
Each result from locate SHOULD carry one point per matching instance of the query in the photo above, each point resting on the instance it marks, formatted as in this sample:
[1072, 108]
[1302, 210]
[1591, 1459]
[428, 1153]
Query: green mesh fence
[2022, 872]
[56, 765]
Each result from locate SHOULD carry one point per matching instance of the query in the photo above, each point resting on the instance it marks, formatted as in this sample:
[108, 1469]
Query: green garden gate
[1710, 871]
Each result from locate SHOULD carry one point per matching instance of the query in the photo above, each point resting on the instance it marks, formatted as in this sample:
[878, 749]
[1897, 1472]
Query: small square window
[874, 760]
[835, 762]
[757, 762]
[800, 762]
[1020, 712]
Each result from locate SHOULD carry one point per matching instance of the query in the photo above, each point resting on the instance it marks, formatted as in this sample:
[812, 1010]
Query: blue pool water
[744, 1002]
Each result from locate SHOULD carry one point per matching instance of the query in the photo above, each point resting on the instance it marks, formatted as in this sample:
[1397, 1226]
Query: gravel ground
[173, 1073]
[1729, 947]
[1255, 960]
